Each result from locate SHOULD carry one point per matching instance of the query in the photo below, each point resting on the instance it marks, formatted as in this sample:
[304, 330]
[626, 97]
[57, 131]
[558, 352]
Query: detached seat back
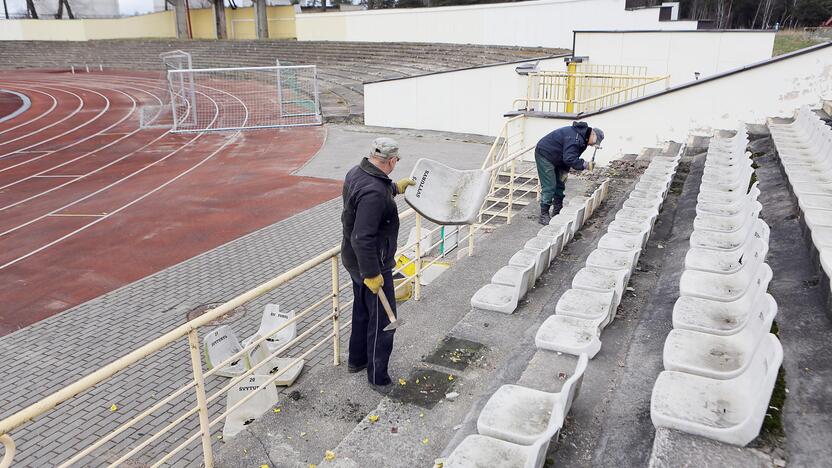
[446, 195]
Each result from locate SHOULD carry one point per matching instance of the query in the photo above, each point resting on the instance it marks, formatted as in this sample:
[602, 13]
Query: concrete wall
[539, 23]
[161, 24]
[153, 25]
[464, 101]
[772, 88]
[679, 54]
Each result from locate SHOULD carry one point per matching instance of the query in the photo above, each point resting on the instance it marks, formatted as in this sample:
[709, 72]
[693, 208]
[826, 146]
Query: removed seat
[262, 401]
[273, 319]
[523, 415]
[289, 372]
[219, 345]
[446, 195]
[729, 411]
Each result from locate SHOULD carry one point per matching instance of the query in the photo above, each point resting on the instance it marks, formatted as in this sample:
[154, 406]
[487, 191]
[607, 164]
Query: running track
[90, 202]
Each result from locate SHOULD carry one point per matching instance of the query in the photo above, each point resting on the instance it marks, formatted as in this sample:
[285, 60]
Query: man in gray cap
[370, 221]
[554, 155]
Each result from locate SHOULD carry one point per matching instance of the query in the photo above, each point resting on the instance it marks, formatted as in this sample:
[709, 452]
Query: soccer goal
[182, 91]
[244, 98]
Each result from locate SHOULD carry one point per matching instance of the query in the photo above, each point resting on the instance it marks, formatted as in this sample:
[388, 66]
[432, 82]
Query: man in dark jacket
[554, 155]
[370, 222]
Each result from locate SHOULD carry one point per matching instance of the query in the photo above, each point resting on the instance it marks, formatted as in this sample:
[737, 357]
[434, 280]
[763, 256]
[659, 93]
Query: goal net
[242, 98]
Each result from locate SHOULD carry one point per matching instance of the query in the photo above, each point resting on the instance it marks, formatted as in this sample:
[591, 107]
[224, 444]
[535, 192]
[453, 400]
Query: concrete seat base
[571, 335]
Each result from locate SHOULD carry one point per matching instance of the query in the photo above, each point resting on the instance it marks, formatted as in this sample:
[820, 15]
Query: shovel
[394, 322]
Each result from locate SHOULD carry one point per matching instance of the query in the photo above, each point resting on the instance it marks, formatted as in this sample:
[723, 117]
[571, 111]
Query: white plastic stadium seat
[570, 335]
[514, 276]
[478, 451]
[716, 356]
[256, 406]
[446, 195]
[598, 279]
[724, 287]
[721, 318]
[729, 411]
[274, 365]
[730, 241]
[726, 223]
[502, 298]
[523, 415]
[726, 261]
[584, 304]
[220, 345]
[544, 246]
[613, 260]
[535, 256]
[273, 319]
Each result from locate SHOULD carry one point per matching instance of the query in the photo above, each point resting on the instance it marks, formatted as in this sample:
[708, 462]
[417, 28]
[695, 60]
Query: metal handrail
[497, 158]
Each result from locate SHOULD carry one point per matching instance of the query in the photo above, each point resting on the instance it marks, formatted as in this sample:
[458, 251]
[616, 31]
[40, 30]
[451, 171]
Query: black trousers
[370, 345]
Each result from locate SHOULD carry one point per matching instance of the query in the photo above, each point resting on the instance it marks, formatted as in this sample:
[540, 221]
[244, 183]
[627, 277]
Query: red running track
[90, 202]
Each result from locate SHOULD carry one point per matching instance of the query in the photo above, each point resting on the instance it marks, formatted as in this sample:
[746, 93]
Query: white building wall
[464, 101]
[679, 54]
[538, 23]
[776, 88]
[80, 8]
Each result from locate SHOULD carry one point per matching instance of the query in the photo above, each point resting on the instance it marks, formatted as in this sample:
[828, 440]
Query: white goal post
[244, 97]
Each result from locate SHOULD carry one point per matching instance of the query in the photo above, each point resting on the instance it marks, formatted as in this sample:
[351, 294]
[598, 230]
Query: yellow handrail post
[8, 443]
[571, 69]
[417, 286]
[336, 312]
[204, 423]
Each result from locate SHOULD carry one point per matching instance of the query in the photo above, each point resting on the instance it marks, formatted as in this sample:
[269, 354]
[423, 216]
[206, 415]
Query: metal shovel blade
[394, 322]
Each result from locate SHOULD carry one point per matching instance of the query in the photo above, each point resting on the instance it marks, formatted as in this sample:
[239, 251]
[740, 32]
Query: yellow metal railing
[502, 156]
[582, 89]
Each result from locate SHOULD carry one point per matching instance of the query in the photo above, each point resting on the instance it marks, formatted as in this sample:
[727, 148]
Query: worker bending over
[370, 221]
[554, 155]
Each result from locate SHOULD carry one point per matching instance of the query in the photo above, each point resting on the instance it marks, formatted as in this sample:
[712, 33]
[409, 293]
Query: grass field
[789, 40]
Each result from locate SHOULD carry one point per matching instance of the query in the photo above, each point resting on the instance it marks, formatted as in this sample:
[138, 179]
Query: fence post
[511, 190]
[336, 312]
[204, 425]
[470, 240]
[571, 68]
[417, 287]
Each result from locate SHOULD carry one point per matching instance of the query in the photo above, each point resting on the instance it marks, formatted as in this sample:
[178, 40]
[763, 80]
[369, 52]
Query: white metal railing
[502, 156]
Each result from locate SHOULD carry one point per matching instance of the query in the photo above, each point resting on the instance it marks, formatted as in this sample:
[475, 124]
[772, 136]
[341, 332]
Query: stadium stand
[343, 67]
[719, 385]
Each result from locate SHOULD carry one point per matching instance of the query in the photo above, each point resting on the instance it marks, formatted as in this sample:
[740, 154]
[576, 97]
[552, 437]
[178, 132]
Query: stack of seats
[805, 149]
[516, 426]
[586, 309]
[511, 282]
[720, 361]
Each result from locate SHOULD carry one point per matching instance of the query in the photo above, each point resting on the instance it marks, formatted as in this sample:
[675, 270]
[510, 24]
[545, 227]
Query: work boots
[544, 215]
[557, 205]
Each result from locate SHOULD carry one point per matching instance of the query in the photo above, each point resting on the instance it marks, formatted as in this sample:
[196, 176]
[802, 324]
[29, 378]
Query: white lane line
[76, 128]
[228, 141]
[76, 215]
[54, 176]
[75, 111]
[54, 105]
[90, 172]
[30, 160]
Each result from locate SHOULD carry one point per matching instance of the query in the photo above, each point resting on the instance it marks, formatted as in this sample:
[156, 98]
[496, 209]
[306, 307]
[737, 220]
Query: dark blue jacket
[564, 146]
[370, 221]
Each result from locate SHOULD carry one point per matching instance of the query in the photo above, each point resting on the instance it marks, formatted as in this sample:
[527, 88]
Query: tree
[30, 7]
[60, 13]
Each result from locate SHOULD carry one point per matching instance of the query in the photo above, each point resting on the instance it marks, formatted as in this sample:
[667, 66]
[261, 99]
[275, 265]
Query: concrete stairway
[343, 67]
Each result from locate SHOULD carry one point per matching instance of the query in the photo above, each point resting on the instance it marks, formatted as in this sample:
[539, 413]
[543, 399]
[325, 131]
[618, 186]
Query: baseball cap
[385, 148]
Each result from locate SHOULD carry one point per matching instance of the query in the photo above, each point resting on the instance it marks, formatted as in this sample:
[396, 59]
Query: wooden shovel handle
[383, 298]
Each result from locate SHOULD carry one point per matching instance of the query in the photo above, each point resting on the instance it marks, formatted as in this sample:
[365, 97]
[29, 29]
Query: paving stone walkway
[47, 356]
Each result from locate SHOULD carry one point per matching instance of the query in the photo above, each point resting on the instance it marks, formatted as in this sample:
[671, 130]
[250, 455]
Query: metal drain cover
[200, 310]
